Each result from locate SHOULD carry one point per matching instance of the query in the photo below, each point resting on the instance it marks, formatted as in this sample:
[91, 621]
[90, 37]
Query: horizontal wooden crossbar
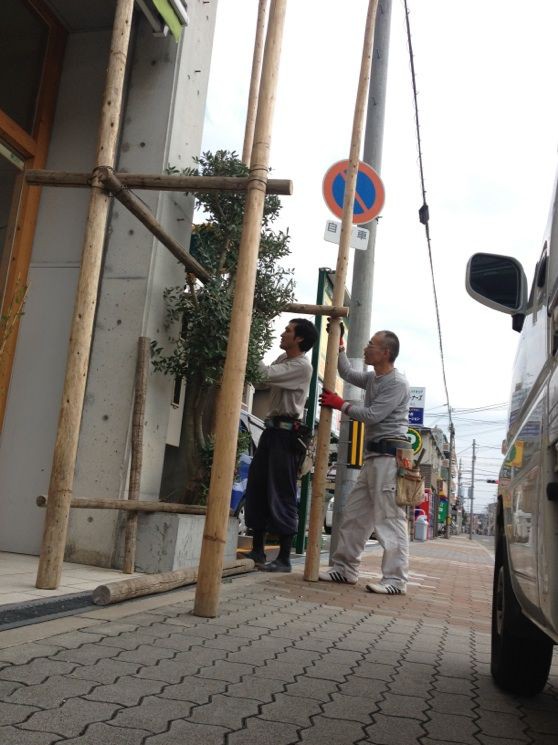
[154, 182]
[133, 505]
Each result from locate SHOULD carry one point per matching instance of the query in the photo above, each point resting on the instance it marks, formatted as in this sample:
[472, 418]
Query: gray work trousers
[371, 506]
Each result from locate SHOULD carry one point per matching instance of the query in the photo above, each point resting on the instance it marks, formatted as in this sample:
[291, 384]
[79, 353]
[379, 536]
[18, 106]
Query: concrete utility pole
[363, 271]
[472, 497]
[448, 515]
[459, 499]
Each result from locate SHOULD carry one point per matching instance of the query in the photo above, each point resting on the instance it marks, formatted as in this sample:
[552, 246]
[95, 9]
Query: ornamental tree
[202, 314]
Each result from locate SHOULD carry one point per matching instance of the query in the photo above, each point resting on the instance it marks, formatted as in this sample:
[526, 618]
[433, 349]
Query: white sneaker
[334, 576]
[386, 589]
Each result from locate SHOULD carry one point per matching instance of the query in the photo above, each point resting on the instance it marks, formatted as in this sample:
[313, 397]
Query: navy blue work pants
[271, 490]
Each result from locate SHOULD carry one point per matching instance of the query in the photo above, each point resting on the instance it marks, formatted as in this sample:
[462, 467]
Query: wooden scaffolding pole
[126, 589]
[228, 409]
[65, 449]
[312, 563]
[136, 459]
[144, 215]
[140, 505]
[155, 182]
[254, 83]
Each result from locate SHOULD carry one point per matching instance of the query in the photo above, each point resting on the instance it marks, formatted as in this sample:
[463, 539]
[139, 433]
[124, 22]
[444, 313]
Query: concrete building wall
[162, 126]
[163, 120]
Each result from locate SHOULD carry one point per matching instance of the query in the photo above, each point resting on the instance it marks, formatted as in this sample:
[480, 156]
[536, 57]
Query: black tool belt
[283, 422]
[386, 446]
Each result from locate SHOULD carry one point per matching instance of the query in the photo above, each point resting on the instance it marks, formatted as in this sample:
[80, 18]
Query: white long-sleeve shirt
[385, 412]
[289, 380]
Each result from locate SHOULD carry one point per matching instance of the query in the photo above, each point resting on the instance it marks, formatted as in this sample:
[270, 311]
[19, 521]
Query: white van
[525, 595]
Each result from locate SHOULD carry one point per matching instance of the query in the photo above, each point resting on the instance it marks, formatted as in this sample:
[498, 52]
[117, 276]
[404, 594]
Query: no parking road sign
[369, 196]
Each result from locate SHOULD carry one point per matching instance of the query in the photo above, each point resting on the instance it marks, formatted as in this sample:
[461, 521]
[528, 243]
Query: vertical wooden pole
[226, 433]
[65, 449]
[254, 83]
[312, 564]
[140, 392]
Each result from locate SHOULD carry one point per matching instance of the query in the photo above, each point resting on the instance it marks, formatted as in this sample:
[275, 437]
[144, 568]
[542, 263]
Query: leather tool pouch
[410, 483]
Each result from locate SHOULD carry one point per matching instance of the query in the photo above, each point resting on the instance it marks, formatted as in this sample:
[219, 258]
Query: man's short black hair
[391, 343]
[306, 331]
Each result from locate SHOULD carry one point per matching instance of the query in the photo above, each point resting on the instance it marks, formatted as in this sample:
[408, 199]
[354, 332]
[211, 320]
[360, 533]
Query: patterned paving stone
[225, 711]
[53, 692]
[105, 734]
[393, 730]
[451, 728]
[352, 708]
[188, 733]
[106, 671]
[153, 714]
[374, 670]
[87, 654]
[396, 705]
[74, 639]
[127, 691]
[196, 690]
[453, 685]
[284, 671]
[36, 671]
[293, 710]
[262, 732]
[24, 653]
[505, 725]
[70, 718]
[224, 670]
[8, 687]
[146, 655]
[332, 732]
[15, 736]
[15, 713]
[258, 689]
[456, 703]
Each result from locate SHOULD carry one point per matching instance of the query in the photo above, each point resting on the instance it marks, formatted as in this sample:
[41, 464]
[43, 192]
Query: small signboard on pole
[359, 236]
[416, 406]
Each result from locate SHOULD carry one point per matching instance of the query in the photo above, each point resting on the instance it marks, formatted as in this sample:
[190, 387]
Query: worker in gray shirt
[272, 480]
[371, 505]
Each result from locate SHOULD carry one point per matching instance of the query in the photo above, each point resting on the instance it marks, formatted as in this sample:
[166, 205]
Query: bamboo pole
[228, 409]
[126, 505]
[146, 181]
[143, 214]
[140, 393]
[312, 563]
[317, 310]
[126, 589]
[65, 449]
[254, 83]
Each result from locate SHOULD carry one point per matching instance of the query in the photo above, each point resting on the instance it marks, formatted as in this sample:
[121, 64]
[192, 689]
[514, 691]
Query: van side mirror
[498, 282]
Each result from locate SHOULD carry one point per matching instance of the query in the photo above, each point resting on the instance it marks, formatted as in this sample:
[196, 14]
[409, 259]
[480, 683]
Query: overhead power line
[424, 215]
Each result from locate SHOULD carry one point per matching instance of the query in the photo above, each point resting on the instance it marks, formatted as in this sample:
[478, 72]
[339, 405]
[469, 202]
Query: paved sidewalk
[285, 662]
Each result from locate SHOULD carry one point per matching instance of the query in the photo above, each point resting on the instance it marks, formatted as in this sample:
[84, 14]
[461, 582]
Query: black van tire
[521, 654]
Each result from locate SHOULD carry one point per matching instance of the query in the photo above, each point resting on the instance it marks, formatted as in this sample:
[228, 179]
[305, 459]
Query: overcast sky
[489, 123]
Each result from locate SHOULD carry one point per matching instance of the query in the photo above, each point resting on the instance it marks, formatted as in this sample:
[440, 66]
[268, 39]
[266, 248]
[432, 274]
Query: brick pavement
[285, 662]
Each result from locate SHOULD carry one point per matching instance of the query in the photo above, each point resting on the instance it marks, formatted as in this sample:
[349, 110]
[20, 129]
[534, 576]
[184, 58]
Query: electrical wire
[424, 215]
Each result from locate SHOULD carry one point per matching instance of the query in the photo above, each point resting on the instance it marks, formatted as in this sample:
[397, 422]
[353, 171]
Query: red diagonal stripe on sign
[358, 198]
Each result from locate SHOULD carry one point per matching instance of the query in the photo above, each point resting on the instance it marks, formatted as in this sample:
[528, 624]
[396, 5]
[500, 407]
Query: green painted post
[310, 418]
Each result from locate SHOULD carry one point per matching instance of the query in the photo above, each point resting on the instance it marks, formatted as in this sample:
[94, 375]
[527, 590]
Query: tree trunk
[183, 473]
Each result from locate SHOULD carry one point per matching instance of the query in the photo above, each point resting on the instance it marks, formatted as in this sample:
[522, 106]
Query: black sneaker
[258, 558]
[277, 566]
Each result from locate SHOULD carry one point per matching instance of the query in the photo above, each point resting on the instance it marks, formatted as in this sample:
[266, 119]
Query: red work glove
[332, 400]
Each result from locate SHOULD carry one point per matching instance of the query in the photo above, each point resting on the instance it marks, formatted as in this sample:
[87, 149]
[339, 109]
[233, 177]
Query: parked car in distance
[328, 519]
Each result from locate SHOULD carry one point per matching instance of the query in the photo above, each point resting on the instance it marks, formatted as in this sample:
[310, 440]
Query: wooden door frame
[33, 149]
